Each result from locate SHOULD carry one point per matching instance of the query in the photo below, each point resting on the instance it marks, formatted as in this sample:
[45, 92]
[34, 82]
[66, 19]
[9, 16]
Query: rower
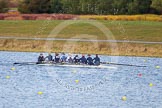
[96, 60]
[70, 59]
[41, 59]
[90, 60]
[63, 58]
[83, 60]
[76, 59]
[57, 58]
[49, 57]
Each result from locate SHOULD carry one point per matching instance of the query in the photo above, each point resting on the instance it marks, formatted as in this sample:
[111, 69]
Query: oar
[26, 63]
[121, 64]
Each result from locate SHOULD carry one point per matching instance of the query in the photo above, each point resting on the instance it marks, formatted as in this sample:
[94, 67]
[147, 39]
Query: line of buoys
[124, 98]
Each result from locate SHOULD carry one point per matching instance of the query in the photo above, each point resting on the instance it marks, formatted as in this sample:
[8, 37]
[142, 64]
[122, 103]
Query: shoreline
[80, 40]
[120, 49]
[81, 53]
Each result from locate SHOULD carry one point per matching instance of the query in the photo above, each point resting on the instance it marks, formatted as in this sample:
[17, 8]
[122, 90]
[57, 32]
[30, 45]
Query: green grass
[122, 30]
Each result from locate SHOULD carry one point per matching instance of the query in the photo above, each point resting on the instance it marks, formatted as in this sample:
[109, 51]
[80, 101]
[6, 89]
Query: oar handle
[25, 63]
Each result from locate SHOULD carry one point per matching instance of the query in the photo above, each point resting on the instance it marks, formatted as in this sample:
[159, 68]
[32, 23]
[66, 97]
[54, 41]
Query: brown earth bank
[117, 49]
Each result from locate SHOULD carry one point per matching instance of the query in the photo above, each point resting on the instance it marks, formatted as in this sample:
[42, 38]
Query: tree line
[4, 4]
[97, 7]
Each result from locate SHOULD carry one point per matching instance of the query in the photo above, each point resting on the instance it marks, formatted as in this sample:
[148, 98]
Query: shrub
[2, 16]
[42, 18]
[4, 6]
[148, 17]
[13, 18]
[29, 16]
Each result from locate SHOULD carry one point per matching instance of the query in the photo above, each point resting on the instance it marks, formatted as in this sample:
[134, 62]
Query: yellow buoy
[77, 81]
[40, 93]
[157, 67]
[151, 84]
[13, 68]
[124, 98]
[145, 60]
[8, 77]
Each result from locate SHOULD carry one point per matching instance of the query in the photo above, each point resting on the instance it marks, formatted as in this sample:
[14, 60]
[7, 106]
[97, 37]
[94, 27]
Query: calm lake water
[32, 86]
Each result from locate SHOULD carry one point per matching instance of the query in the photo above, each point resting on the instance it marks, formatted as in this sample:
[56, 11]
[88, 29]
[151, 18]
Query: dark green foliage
[56, 6]
[139, 6]
[4, 6]
[35, 6]
[90, 6]
[157, 5]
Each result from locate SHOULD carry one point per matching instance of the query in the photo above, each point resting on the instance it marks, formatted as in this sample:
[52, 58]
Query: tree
[23, 6]
[40, 6]
[35, 6]
[90, 6]
[139, 6]
[105, 7]
[71, 6]
[157, 4]
[120, 6]
[56, 6]
[13, 3]
[4, 6]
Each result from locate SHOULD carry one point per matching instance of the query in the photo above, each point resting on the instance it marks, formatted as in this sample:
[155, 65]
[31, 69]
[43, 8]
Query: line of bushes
[148, 17]
[37, 17]
[123, 17]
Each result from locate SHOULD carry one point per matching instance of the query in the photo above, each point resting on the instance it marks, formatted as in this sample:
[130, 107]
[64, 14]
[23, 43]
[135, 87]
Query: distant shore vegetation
[84, 7]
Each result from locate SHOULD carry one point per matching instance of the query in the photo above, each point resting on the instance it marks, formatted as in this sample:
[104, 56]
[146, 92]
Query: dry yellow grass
[124, 49]
[148, 17]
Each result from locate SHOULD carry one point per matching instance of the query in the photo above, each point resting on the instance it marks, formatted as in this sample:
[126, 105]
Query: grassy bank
[122, 30]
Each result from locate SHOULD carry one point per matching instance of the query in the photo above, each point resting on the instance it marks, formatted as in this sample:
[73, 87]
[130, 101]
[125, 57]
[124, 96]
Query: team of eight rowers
[71, 60]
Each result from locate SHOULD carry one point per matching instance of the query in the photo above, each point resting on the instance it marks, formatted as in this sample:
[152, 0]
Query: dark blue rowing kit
[90, 61]
[41, 59]
[83, 60]
[96, 61]
[50, 58]
[76, 60]
[57, 59]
